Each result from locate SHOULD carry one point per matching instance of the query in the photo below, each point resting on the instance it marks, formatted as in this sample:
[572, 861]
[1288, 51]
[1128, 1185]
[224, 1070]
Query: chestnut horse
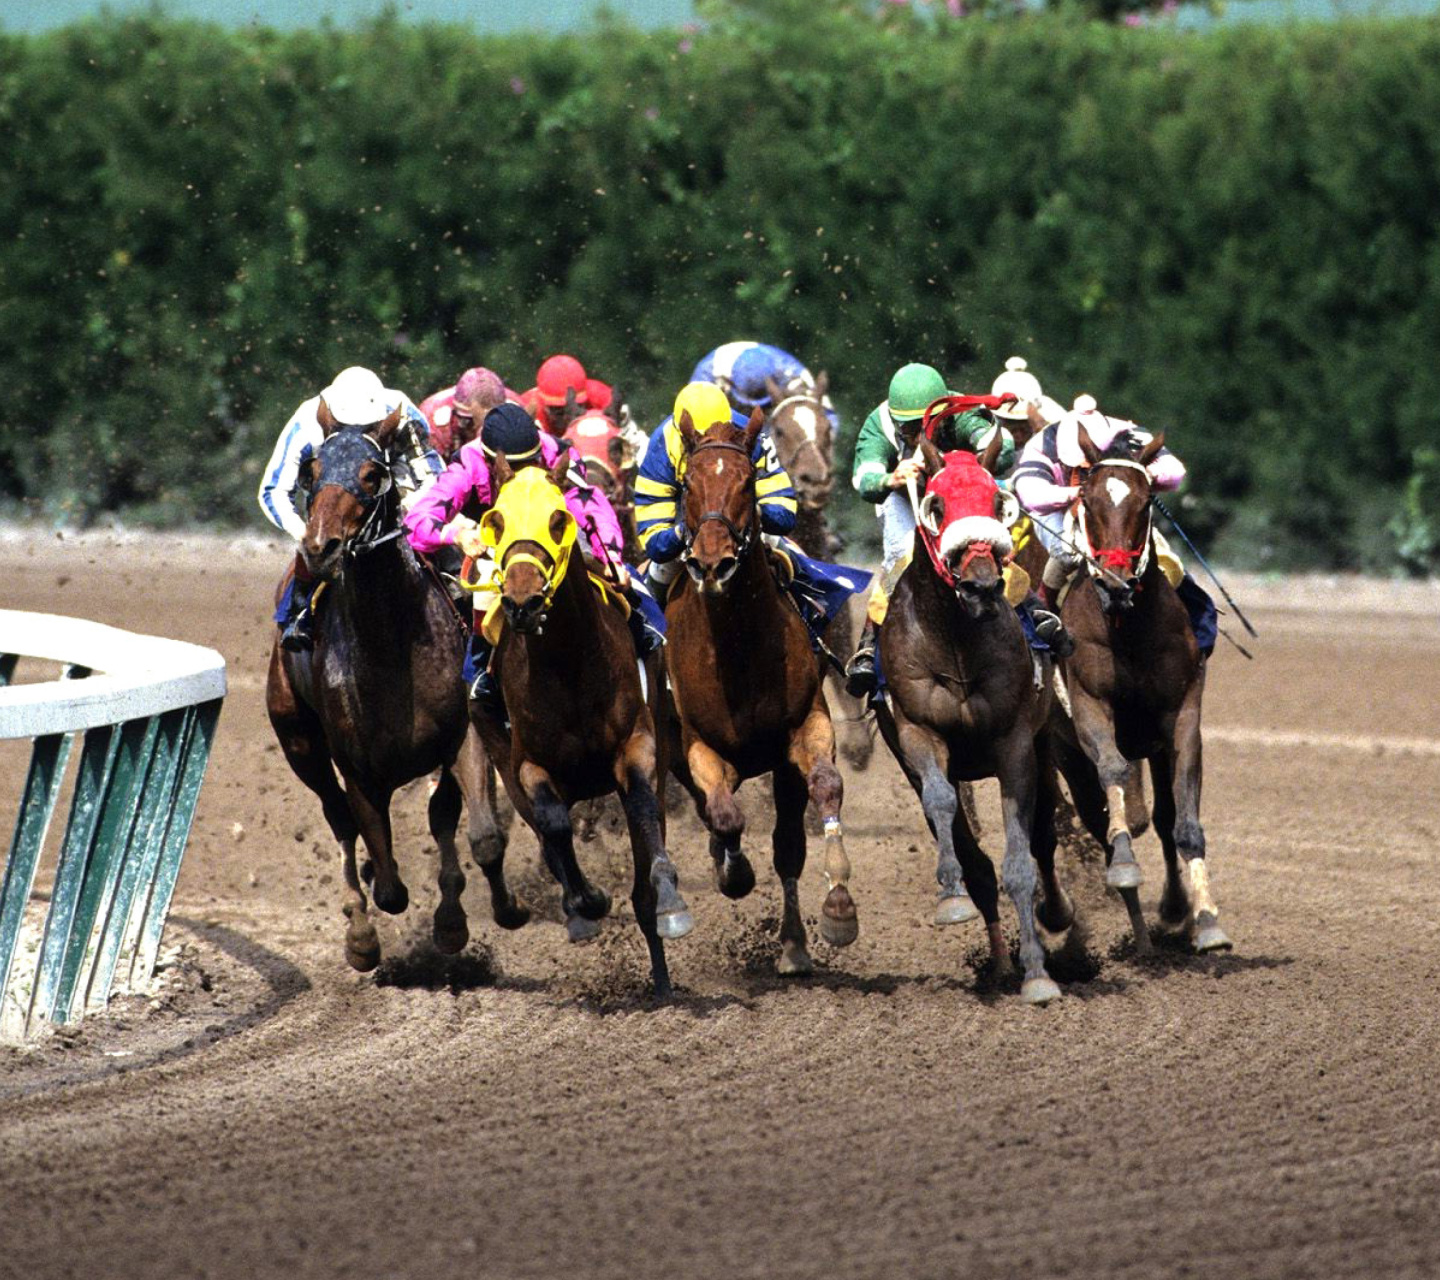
[964, 704]
[1135, 683]
[804, 443]
[580, 726]
[380, 696]
[747, 689]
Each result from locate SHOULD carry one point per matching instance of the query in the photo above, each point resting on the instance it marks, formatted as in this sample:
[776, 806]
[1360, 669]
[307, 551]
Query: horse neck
[383, 588]
[751, 603]
[812, 533]
[572, 623]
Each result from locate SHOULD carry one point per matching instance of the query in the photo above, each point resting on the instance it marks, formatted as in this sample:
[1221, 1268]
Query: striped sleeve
[282, 477]
[776, 495]
[656, 492]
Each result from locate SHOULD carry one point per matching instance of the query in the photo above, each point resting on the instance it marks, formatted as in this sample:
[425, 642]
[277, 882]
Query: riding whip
[1229, 599]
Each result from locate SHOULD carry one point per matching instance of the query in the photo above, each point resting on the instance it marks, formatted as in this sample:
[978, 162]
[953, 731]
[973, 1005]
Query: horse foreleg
[1174, 899]
[450, 930]
[488, 833]
[1017, 804]
[788, 854]
[642, 816]
[926, 759]
[1137, 819]
[1206, 933]
[373, 815]
[1055, 911]
[584, 902]
[812, 752]
[713, 783]
[638, 780]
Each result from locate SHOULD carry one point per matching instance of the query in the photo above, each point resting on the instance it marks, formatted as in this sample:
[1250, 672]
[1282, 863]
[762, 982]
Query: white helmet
[356, 398]
[1020, 382]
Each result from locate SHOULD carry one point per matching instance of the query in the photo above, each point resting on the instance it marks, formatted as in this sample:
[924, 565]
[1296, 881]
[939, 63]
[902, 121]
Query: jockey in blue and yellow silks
[819, 588]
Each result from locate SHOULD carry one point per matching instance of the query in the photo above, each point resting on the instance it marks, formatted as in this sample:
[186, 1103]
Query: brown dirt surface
[522, 1110]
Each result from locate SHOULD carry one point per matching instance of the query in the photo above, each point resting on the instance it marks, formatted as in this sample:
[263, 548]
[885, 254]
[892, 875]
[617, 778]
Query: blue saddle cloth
[822, 589]
[1204, 617]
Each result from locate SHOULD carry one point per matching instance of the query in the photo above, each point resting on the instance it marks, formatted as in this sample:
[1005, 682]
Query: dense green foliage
[1231, 236]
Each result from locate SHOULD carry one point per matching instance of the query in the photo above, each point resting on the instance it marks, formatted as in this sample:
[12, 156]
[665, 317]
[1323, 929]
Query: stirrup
[860, 674]
[486, 694]
[1051, 630]
[297, 636]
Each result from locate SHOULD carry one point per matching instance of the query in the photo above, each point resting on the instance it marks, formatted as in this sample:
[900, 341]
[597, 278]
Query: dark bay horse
[580, 725]
[380, 696]
[747, 689]
[964, 704]
[1135, 684]
[804, 443]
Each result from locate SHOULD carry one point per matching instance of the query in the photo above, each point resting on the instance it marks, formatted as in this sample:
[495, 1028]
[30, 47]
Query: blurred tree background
[1230, 235]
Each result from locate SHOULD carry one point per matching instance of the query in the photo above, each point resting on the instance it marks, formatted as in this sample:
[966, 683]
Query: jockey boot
[484, 687]
[1051, 630]
[860, 670]
[297, 616]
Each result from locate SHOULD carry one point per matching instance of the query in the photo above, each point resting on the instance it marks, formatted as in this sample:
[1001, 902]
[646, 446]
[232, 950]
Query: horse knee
[722, 814]
[938, 798]
[1190, 838]
[827, 789]
[552, 816]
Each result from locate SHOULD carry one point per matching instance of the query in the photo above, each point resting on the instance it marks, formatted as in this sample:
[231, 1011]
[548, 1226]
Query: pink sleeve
[1041, 496]
[1166, 472]
[441, 502]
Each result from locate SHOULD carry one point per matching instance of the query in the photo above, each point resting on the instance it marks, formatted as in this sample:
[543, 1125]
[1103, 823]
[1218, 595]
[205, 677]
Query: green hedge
[1229, 235]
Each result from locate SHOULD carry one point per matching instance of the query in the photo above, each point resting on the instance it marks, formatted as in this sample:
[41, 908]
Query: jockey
[1046, 481]
[884, 468]
[356, 398]
[437, 523]
[817, 588]
[455, 413]
[1017, 380]
[742, 370]
[554, 380]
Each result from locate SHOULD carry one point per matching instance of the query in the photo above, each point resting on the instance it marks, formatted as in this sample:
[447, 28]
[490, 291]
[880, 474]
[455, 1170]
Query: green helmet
[912, 390]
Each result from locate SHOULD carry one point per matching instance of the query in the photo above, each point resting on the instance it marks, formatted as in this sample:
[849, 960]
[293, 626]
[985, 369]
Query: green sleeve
[875, 459]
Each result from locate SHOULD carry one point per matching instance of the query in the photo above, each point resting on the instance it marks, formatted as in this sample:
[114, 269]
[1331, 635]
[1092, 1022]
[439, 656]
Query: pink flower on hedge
[956, 8]
[517, 85]
[652, 113]
[686, 45]
[1134, 20]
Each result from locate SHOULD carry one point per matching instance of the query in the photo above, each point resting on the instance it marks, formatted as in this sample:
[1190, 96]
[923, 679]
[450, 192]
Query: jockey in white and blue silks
[819, 588]
[741, 371]
[356, 398]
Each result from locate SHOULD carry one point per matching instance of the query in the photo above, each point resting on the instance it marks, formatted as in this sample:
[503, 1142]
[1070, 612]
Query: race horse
[804, 443]
[747, 688]
[967, 700]
[1135, 684]
[580, 725]
[380, 696]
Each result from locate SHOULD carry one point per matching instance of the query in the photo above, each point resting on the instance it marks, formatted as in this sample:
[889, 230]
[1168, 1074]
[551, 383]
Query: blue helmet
[748, 376]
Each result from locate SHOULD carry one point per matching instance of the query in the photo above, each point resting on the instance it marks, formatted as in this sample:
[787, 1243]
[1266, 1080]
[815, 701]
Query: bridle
[350, 445]
[807, 397]
[1122, 562]
[741, 537]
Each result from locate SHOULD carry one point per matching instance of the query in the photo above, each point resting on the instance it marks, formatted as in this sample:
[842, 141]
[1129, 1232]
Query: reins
[741, 537]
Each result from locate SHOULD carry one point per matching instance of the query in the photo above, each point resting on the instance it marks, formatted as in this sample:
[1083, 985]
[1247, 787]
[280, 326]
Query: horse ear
[687, 429]
[325, 418]
[990, 459]
[1152, 450]
[752, 431]
[822, 384]
[930, 455]
[560, 468]
[384, 433]
[572, 404]
[615, 450]
[1035, 417]
[1087, 445]
[774, 390]
[501, 473]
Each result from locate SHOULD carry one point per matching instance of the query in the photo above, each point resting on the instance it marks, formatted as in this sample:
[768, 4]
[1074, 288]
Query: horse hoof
[795, 961]
[1055, 915]
[450, 935]
[513, 916]
[1209, 936]
[363, 954]
[1123, 875]
[674, 924]
[839, 932]
[580, 929]
[736, 876]
[593, 904]
[1039, 991]
[393, 900]
[955, 910]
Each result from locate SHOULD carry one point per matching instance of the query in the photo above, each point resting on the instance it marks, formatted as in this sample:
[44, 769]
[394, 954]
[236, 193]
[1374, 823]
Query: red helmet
[598, 394]
[558, 375]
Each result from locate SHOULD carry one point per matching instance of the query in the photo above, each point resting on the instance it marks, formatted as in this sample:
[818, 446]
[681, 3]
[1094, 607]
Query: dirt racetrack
[523, 1112]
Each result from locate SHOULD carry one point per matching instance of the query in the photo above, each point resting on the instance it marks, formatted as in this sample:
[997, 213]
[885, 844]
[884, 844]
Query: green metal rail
[145, 727]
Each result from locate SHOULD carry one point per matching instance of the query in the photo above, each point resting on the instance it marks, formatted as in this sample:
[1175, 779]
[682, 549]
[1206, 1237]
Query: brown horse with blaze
[747, 688]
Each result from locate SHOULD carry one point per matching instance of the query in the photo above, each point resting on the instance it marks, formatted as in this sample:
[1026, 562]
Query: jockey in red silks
[455, 413]
[555, 380]
[356, 398]
[437, 522]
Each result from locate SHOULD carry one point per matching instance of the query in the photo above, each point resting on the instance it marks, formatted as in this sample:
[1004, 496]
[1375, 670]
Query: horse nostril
[331, 546]
[725, 570]
[696, 570]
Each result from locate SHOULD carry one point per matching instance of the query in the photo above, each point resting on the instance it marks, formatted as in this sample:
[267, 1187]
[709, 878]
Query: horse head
[1114, 519]
[804, 443]
[349, 485]
[533, 533]
[717, 498]
[966, 517]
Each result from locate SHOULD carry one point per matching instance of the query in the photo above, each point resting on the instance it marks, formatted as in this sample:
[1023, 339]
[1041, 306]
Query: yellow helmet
[704, 402]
